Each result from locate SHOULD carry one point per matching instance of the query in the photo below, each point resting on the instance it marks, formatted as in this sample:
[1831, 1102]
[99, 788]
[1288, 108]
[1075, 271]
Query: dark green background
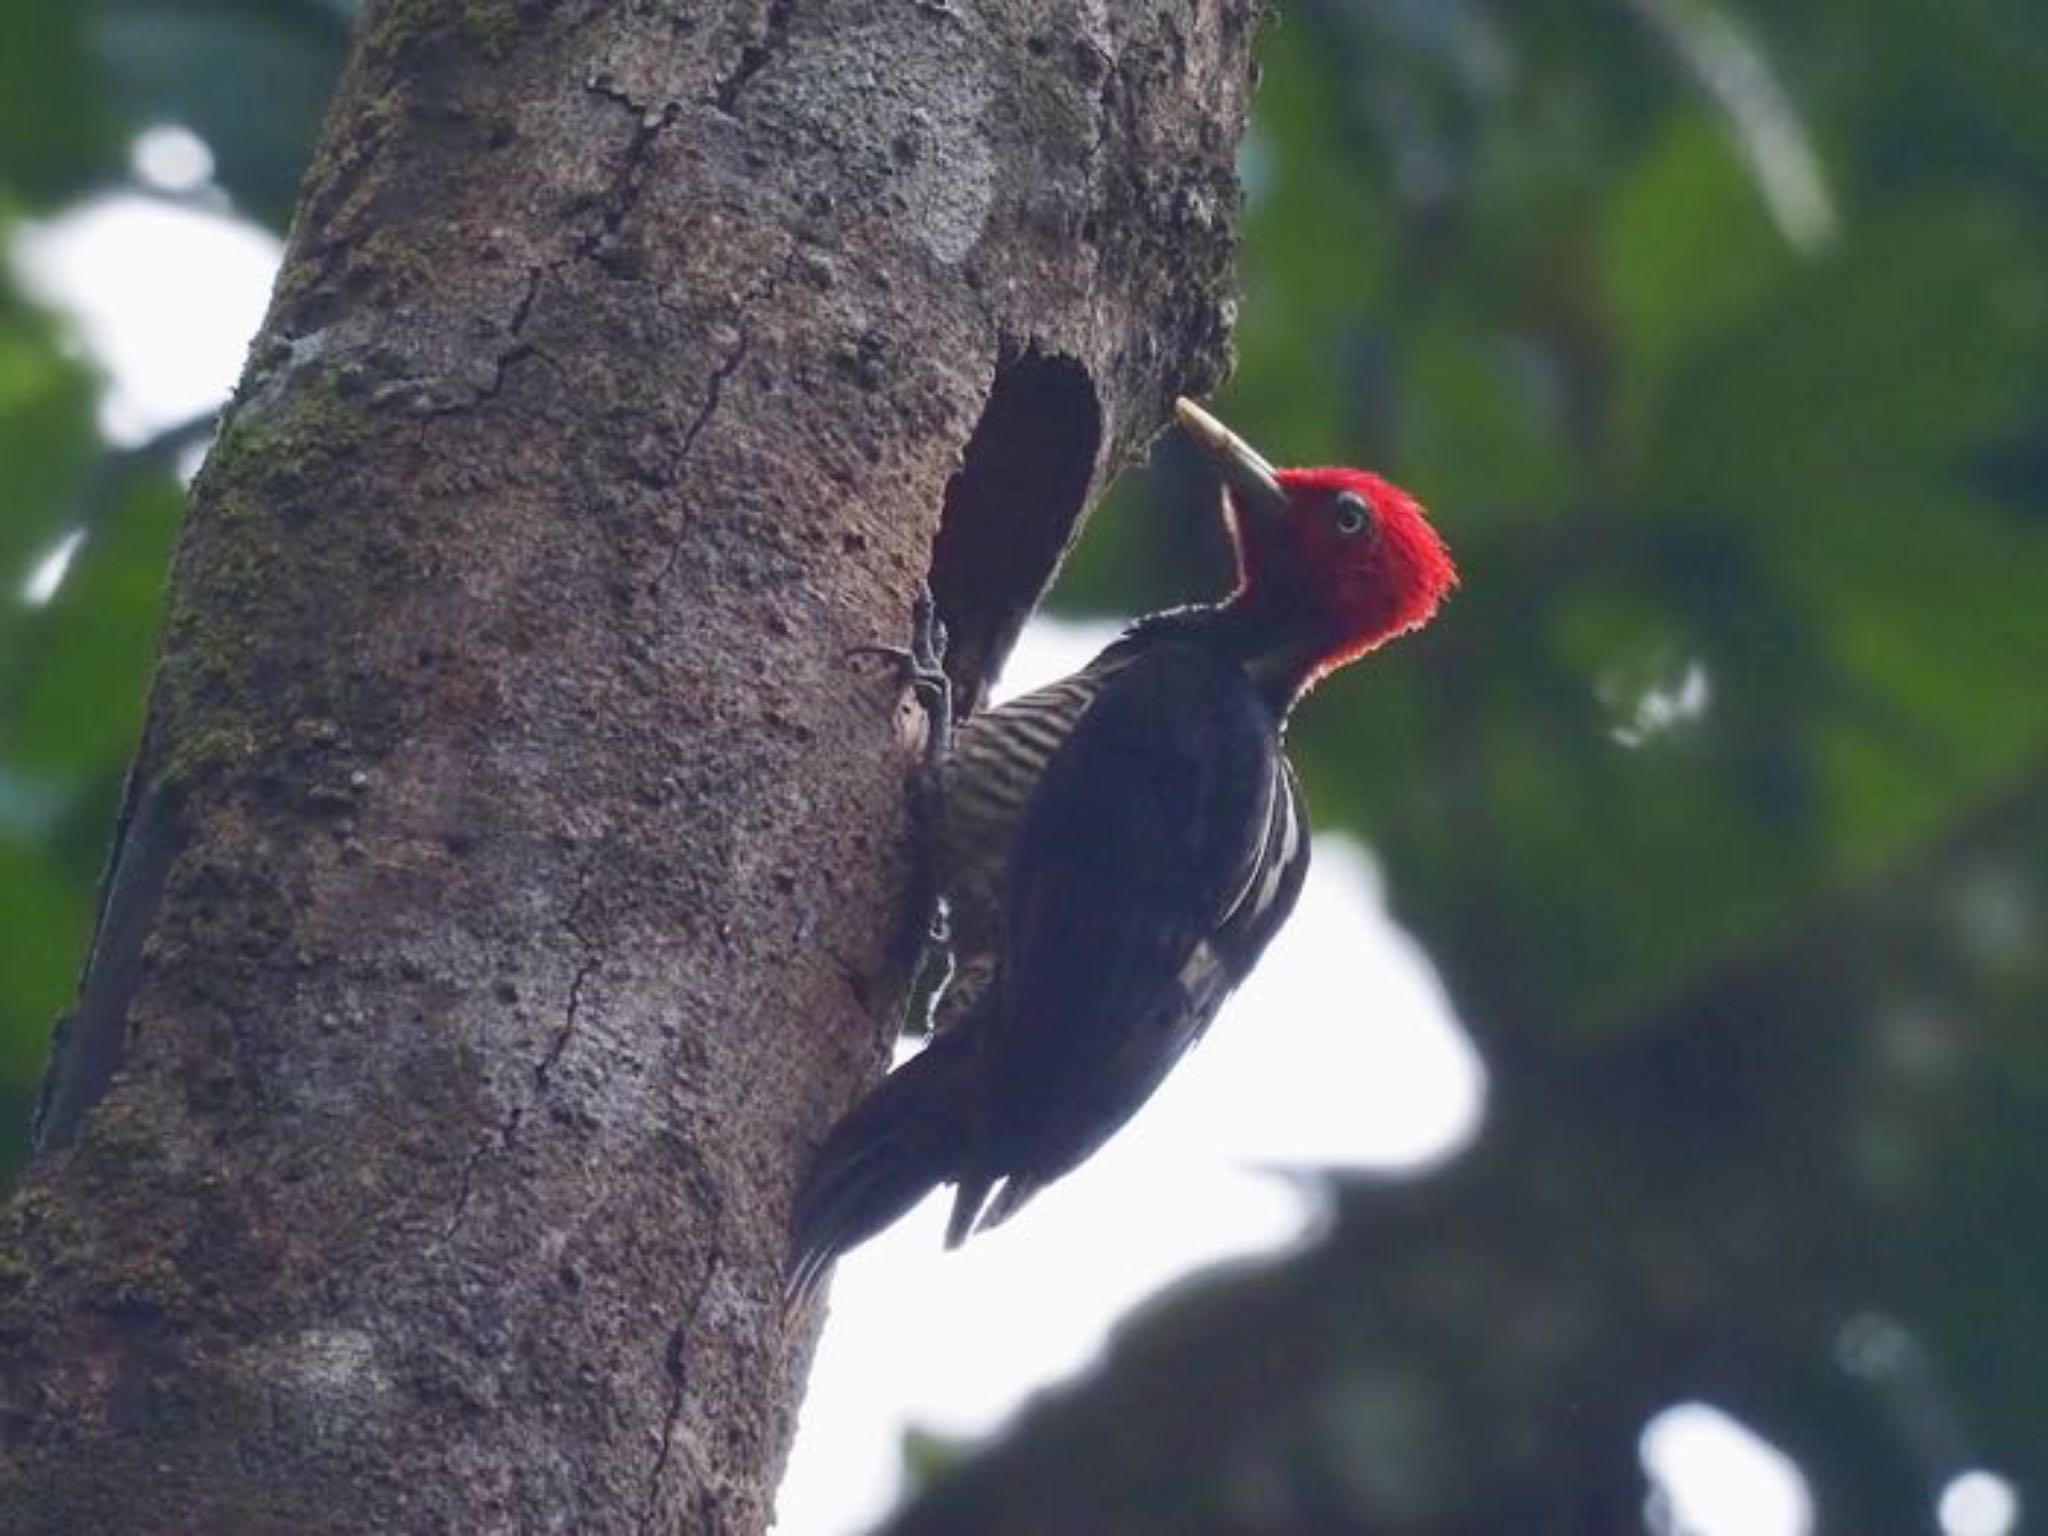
[1761, 995]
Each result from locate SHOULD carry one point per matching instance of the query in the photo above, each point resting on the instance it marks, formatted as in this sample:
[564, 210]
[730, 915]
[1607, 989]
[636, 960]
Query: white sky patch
[1340, 1052]
[171, 158]
[1978, 1503]
[164, 299]
[1715, 1476]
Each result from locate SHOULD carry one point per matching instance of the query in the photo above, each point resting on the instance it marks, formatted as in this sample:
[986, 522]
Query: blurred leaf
[46, 445]
[1688, 251]
[44, 915]
[929, 1456]
[1317, 208]
[79, 708]
[1882, 369]
[1857, 408]
[56, 125]
[1484, 422]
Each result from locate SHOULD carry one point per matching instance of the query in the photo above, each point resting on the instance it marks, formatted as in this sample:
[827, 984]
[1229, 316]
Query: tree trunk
[512, 883]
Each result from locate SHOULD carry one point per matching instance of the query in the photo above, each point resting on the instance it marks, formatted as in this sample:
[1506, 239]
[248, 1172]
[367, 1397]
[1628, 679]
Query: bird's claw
[931, 975]
[923, 667]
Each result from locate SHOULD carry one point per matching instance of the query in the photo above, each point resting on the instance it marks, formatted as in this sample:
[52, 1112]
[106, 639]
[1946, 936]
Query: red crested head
[1332, 562]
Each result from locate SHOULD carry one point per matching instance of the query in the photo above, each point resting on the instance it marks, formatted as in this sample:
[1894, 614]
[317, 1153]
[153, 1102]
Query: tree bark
[512, 883]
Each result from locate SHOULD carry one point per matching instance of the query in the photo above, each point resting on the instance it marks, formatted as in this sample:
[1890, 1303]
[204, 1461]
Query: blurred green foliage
[1717, 337]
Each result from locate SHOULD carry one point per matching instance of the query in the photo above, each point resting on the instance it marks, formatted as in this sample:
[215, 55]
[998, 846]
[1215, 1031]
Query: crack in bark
[713, 391]
[464, 1189]
[672, 1362]
[585, 969]
[560, 1043]
[520, 347]
[757, 55]
[669, 1418]
[508, 1128]
[762, 293]
[619, 199]
[442, 394]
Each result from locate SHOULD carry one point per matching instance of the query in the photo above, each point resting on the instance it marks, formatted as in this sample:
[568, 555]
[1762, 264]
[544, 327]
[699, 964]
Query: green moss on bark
[248, 572]
[491, 26]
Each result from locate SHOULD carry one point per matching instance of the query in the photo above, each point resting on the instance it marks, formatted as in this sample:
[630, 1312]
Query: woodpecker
[1116, 850]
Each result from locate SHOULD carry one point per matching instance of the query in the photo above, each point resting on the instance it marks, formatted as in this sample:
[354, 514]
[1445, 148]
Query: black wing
[1160, 850]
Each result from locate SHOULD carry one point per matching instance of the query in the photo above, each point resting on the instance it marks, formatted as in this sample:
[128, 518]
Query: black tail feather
[967, 1203]
[904, 1138]
[1017, 1189]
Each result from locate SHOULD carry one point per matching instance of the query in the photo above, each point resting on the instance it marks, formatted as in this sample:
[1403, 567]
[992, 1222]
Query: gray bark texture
[514, 877]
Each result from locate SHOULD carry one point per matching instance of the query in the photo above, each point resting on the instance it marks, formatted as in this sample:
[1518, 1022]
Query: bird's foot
[931, 974]
[923, 667]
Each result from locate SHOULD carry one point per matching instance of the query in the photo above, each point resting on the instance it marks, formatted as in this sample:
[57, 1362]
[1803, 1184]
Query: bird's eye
[1353, 516]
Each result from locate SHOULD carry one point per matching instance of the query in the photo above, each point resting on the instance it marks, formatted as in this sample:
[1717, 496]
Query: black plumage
[1158, 850]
